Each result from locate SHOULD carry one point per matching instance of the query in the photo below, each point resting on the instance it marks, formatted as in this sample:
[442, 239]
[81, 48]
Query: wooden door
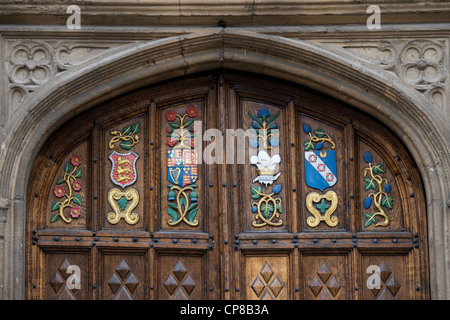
[225, 186]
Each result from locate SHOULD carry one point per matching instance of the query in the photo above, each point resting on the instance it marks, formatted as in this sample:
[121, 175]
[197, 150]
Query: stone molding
[325, 68]
[230, 13]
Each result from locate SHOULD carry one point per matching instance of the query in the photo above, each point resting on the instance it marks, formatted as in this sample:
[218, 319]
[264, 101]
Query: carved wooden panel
[386, 277]
[67, 275]
[267, 277]
[264, 183]
[124, 174]
[181, 277]
[182, 205]
[322, 175]
[67, 205]
[124, 276]
[326, 276]
[380, 196]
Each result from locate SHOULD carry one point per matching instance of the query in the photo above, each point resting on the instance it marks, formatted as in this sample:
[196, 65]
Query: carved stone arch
[323, 68]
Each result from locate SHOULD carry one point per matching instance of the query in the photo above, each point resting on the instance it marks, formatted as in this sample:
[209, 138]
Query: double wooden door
[225, 186]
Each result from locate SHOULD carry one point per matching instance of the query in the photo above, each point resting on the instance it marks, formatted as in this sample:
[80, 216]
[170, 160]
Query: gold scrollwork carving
[326, 210]
[267, 209]
[128, 137]
[118, 200]
[185, 211]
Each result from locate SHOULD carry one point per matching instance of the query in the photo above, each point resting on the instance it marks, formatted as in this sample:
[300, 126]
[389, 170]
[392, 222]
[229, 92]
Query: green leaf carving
[369, 220]
[67, 167]
[55, 205]
[126, 130]
[61, 181]
[173, 214]
[387, 202]
[188, 124]
[192, 215]
[255, 192]
[54, 217]
[173, 206]
[267, 210]
[273, 118]
[193, 205]
[122, 203]
[256, 119]
[370, 184]
[174, 125]
[78, 173]
[378, 168]
[77, 199]
[126, 145]
[135, 127]
[279, 207]
[319, 133]
[309, 145]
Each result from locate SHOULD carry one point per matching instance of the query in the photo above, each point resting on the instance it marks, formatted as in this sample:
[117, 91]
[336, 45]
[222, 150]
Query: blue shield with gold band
[182, 167]
[320, 169]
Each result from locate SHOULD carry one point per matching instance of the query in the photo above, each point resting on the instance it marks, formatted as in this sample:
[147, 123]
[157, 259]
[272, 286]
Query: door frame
[335, 73]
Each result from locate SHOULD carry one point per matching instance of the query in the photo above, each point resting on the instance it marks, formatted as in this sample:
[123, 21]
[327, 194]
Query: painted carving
[267, 167]
[182, 172]
[320, 165]
[124, 174]
[123, 203]
[182, 169]
[128, 137]
[181, 132]
[320, 173]
[380, 197]
[265, 130]
[67, 188]
[123, 171]
[267, 209]
[325, 209]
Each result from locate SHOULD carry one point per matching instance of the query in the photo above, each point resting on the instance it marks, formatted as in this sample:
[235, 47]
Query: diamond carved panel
[389, 284]
[324, 284]
[267, 285]
[59, 282]
[123, 282]
[179, 284]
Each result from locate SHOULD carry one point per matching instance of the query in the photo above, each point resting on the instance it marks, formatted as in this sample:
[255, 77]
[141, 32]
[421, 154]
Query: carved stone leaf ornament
[31, 64]
[421, 63]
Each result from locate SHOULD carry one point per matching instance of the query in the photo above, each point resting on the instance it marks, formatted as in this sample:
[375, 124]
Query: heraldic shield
[320, 169]
[123, 171]
[182, 167]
